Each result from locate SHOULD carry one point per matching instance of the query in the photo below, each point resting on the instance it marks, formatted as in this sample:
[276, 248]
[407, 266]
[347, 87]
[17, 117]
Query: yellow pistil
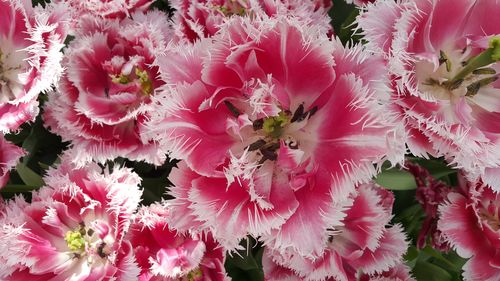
[273, 126]
[146, 83]
[75, 241]
[121, 79]
[195, 274]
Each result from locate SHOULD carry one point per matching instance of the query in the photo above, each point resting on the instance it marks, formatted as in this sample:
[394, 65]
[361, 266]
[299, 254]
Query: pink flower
[430, 194]
[360, 244]
[167, 255]
[103, 98]
[360, 2]
[74, 227]
[9, 155]
[276, 123]
[203, 18]
[400, 272]
[470, 222]
[107, 8]
[31, 40]
[446, 77]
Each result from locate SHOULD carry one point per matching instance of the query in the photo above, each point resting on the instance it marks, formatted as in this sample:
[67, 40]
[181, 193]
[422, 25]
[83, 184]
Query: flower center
[194, 275]
[85, 242]
[232, 7]
[272, 131]
[75, 241]
[141, 78]
[459, 74]
[489, 213]
[273, 126]
[11, 86]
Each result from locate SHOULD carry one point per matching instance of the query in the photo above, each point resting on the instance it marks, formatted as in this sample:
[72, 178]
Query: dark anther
[90, 232]
[487, 70]
[455, 84]
[268, 151]
[257, 124]
[100, 250]
[443, 58]
[256, 145]
[266, 154]
[106, 92]
[298, 114]
[232, 108]
[312, 111]
[293, 145]
[472, 89]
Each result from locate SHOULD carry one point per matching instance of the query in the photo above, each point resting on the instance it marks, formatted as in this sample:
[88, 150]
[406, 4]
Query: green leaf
[17, 188]
[28, 176]
[395, 179]
[430, 272]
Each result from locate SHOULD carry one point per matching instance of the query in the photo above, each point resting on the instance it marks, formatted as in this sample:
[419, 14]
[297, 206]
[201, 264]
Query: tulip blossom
[167, 255]
[202, 18]
[74, 227]
[103, 98]
[30, 58]
[445, 71]
[9, 155]
[469, 220]
[276, 123]
[359, 245]
[110, 9]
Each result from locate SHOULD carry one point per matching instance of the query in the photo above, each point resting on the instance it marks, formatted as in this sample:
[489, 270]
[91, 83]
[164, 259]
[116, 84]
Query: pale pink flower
[447, 90]
[9, 155]
[31, 40]
[359, 244]
[203, 18]
[430, 194]
[74, 227]
[103, 97]
[167, 255]
[470, 222]
[276, 123]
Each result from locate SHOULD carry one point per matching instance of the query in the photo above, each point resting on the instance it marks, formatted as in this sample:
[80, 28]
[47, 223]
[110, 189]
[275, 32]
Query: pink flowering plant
[271, 140]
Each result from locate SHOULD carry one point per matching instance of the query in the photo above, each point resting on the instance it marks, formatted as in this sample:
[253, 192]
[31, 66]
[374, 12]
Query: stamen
[257, 124]
[232, 108]
[484, 71]
[299, 112]
[256, 145]
[443, 58]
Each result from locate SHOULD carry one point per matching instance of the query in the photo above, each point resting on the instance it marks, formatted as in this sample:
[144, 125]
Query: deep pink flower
[31, 40]
[470, 222]
[430, 194]
[74, 227]
[167, 255]
[360, 244]
[447, 90]
[103, 97]
[203, 18]
[9, 155]
[276, 123]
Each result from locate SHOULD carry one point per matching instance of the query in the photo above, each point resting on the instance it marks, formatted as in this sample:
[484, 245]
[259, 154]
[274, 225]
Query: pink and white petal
[455, 216]
[389, 253]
